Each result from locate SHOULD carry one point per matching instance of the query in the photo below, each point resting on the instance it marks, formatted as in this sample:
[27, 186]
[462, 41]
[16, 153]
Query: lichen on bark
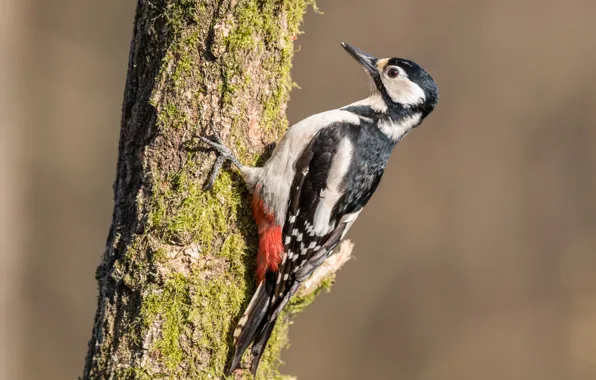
[178, 267]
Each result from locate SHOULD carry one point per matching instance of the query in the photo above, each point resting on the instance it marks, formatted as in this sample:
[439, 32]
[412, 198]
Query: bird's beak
[366, 60]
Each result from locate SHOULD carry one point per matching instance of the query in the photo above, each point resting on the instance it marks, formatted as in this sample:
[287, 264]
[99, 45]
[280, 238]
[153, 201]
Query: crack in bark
[209, 41]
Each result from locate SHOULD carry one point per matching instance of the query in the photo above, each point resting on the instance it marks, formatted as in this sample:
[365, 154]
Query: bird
[316, 182]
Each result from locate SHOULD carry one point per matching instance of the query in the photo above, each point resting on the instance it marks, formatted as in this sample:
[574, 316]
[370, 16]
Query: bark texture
[178, 268]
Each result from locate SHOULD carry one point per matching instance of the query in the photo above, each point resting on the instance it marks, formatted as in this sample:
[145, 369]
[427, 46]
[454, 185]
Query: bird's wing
[318, 214]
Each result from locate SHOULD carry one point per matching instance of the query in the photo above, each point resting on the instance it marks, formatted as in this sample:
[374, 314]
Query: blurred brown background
[476, 259]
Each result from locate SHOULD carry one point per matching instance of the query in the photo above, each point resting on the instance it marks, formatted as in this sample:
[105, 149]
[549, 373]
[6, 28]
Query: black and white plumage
[320, 176]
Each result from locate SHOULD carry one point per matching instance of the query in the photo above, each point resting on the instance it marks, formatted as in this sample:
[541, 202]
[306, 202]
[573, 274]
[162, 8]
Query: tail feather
[251, 323]
[263, 334]
[257, 323]
[258, 347]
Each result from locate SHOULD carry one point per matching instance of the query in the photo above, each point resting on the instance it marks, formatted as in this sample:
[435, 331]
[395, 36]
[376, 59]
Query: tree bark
[177, 271]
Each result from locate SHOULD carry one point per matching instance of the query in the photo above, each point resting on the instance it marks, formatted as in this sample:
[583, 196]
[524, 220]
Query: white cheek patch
[402, 90]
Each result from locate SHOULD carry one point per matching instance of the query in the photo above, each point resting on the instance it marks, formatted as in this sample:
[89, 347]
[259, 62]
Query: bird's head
[401, 83]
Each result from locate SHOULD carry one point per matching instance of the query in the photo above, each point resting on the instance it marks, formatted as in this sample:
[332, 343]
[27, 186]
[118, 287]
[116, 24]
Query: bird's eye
[392, 72]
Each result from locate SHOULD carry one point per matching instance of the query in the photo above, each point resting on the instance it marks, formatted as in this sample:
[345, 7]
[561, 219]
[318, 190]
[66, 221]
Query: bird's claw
[223, 153]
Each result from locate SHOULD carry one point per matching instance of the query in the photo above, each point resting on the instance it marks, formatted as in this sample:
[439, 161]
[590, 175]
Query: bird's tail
[260, 342]
[254, 325]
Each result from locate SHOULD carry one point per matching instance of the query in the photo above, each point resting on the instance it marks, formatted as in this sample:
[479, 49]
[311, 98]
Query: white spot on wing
[312, 244]
[309, 228]
[348, 218]
[331, 194]
[288, 240]
[292, 218]
[299, 238]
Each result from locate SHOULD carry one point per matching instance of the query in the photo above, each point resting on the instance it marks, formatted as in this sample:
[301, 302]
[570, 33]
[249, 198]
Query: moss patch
[192, 318]
[256, 26]
[185, 213]
[171, 304]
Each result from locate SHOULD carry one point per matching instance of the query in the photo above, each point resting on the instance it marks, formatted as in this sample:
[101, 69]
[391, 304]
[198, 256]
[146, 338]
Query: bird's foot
[224, 153]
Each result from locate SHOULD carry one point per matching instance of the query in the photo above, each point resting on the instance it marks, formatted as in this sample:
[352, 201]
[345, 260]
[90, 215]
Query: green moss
[171, 304]
[179, 69]
[180, 13]
[133, 373]
[190, 308]
[249, 19]
[199, 216]
[297, 304]
[220, 303]
[183, 67]
[159, 256]
[171, 116]
[258, 26]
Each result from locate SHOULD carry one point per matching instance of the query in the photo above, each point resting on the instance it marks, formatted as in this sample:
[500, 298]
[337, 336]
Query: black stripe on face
[410, 67]
[381, 64]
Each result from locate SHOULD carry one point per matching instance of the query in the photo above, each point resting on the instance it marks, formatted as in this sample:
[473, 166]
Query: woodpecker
[316, 182]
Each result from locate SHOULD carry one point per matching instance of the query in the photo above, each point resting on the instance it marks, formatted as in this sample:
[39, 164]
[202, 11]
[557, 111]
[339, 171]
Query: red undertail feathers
[270, 240]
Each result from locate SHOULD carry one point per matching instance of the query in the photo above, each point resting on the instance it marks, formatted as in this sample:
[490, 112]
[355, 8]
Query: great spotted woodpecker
[316, 182]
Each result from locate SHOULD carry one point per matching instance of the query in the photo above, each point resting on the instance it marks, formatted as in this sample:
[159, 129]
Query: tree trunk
[178, 267]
